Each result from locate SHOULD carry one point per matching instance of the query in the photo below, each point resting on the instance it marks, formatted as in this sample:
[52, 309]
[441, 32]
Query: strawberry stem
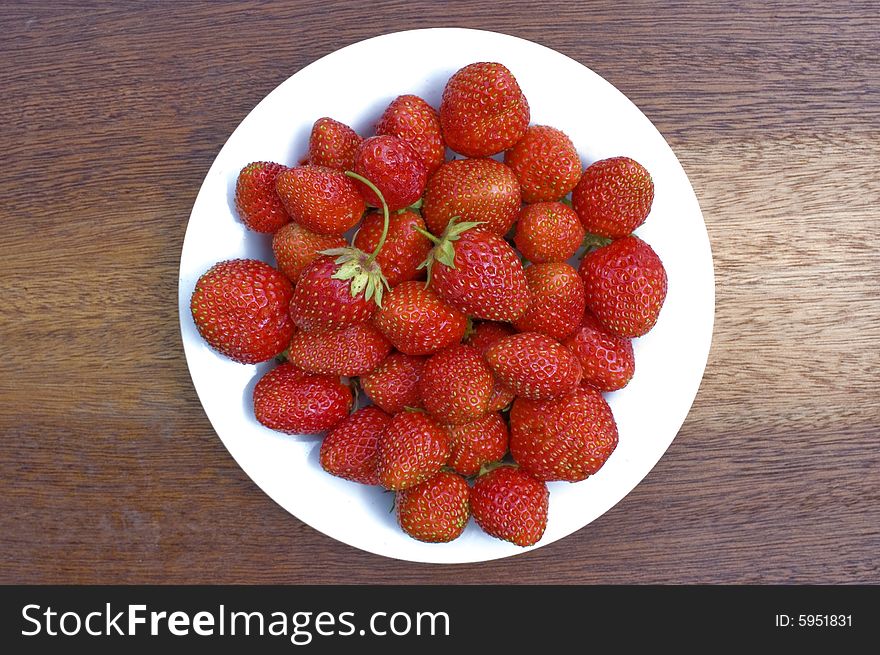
[427, 235]
[385, 214]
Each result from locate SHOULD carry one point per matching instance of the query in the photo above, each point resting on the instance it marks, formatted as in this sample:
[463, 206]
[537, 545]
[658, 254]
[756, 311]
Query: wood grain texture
[113, 113]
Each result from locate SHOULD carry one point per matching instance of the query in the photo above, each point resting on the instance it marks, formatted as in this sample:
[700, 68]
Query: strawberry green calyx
[594, 242]
[444, 251]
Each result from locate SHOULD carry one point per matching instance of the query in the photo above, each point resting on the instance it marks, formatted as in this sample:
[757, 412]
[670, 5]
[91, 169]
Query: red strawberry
[404, 247]
[608, 361]
[394, 385]
[417, 321]
[256, 200]
[351, 450]
[289, 400]
[511, 505]
[323, 301]
[436, 510]
[295, 248]
[394, 167]
[626, 285]
[418, 123]
[333, 144]
[483, 111]
[565, 439]
[556, 304]
[412, 449]
[320, 199]
[457, 385]
[474, 190]
[548, 232]
[484, 335]
[534, 366]
[546, 164]
[350, 351]
[240, 308]
[477, 443]
[613, 197]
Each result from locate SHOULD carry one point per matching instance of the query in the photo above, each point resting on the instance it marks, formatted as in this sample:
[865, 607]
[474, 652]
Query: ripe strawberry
[436, 510]
[293, 401]
[484, 335]
[394, 167]
[256, 200]
[404, 249]
[545, 163]
[534, 366]
[412, 449]
[626, 285]
[474, 190]
[613, 197]
[240, 308]
[565, 439]
[295, 248]
[351, 450]
[457, 385]
[418, 123]
[510, 504]
[556, 304]
[394, 385]
[548, 232]
[608, 361]
[417, 321]
[353, 350]
[332, 144]
[483, 111]
[323, 301]
[477, 443]
[320, 199]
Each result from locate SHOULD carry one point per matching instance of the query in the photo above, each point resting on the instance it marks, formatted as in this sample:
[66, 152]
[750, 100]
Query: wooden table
[112, 116]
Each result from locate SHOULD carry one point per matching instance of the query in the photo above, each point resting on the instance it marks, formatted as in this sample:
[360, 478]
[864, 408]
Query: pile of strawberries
[485, 375]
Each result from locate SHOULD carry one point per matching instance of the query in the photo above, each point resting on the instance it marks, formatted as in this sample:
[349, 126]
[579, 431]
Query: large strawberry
[351, 450]
[556, 300]
[457, 385]
[395, 384]
[353, 350]
[534, 366]
[548, 232]
[256, 200]
[332, 144]
[417, 321]
[483, 336]
[320, 199]
[477, 443]
[613, 197]
[608, 361]
[293, 401]
[394, 167]
[546, 164]
[472, 190]
[625, 284]
[240, 308]
[436, 510]
[412, 449]
[418, 123]
[405, 248]
[483, 111]
[565, 439]
[295, 248]
[510, 504]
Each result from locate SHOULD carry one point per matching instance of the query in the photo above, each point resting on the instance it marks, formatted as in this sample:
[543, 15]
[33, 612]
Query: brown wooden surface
[111, 116]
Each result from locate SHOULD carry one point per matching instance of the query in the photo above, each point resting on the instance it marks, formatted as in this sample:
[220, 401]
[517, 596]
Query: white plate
[354, 85]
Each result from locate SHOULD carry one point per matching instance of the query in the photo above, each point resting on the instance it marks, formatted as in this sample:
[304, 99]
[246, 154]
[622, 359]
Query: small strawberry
[320, 199]
[625, 284]
[510, 504]
[534, 366]
[477, 443]
[351, 450]
[565, 439]
[436, 510]
[293, 401]
[295, 248]
[394, 167]
[483, 111]
[256, 200]
[353, 350]
[457, 385]
[613, 197]
[548, 232]
[240, 308]
[405, 248]
[556, 304]
[394, 385]
[332, 144]
[473, 190]
[418, 123]
[412, 449]
[608, 361]
[483, 336]
[417, 321]
[546, 164]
